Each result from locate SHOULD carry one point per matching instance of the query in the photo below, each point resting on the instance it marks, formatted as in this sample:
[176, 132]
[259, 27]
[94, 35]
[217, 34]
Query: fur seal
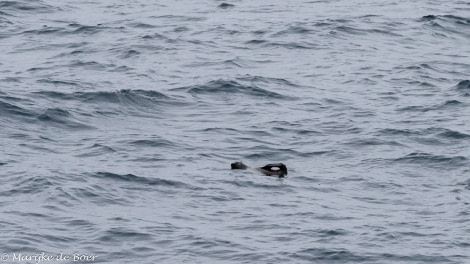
[275, 169]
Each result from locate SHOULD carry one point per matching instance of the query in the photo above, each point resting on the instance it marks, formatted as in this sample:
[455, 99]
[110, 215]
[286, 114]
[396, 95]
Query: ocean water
[119, 121]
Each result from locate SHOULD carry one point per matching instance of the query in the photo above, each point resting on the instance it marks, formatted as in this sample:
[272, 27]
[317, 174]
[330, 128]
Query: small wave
[37, 6]
[452, 18]
[432, 160]
[373, 142]
[129, 54]
[88, 30]
[9, 110]
[90, 65]
[155, 36]
[59, 82]
[413, 258]
[446, 105]
[144, 180]
[60, 116]
[272, 185]
[152, 143]
[96, 150]
[451, 134]
[141, 25]
[440, 132]
[327, 255]
[300, 29]
[225, 6]
[447, 25]
[131, 98]
[30, 185]
[118, 234]
[231, 87]
[428, 18]
[291, 45]
[267, 81]
[45, 30]
[256, 41]
[463, 87]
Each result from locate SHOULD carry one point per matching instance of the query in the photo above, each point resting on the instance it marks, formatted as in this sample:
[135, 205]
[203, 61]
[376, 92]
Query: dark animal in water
[275, 169]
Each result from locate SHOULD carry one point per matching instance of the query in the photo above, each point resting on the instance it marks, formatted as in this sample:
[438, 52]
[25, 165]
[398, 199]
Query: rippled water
[120, 120]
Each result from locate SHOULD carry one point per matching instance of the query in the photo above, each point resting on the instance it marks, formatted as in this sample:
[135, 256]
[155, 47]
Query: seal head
[239, 166]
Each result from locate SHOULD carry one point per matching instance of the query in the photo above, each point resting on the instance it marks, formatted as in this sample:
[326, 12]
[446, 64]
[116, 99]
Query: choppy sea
[119, 121]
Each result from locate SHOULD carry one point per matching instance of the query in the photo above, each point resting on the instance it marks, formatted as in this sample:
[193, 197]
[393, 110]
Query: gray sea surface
[119, 121]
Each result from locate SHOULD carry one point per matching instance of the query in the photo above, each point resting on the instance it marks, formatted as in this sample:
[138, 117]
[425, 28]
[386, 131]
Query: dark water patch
[372, 142]
[328, 255]
[296, 29]
[276, 184]
[463, 87]
[141, 25]
[89, 30]
[349, 30]
[30, 185]
[179, 18]
[309, 154]
[36, 6]
[267, 81]
[95, 150]
[431, 160]
[131, 178]
[131, 98]
[90, 65]
[79, 223]
[62, 117]
[10, 110]
[155, 143]
[447, 25]
[96, 194]
[451, 18]
[236, 62]
[181, 29]
[263, 152]
[155, 36]
[40, 148]
[331, 232]
[228, 131]
[447, 105]
[428, 18]
[59, 82]
[417, 258]
[120, 234]
[451, 134]
[225, 6]
[46, 30]
[458, 20]
[129, 54]
[303, 45]
[4, 14]
[294, 130]
[36, 69]
[121, 69]
[433, 132]
[220, 87]
[256, 41]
